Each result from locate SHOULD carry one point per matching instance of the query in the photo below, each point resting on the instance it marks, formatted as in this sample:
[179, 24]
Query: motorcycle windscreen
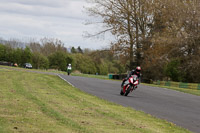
[126, 82]
[135, 77]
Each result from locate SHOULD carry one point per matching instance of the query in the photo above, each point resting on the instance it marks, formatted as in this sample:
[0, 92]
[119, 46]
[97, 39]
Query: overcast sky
[61, 19]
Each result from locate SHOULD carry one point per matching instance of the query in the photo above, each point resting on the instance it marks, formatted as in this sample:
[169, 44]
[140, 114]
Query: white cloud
[62, 19]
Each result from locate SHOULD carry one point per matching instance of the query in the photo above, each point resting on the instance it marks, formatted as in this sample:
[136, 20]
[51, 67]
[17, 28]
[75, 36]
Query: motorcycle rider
[69, 68]
[133, 72]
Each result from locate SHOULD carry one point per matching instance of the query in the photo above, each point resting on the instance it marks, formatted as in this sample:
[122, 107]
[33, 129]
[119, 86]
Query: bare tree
[51, 45]
[175, 35]
[128, 21]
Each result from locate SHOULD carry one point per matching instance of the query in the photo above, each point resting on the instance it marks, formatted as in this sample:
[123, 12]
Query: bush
[58, 60]
[39, 61]
[84, 64]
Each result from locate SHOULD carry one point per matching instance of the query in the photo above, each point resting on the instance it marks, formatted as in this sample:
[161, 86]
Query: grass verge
[91, 76]
[189, 91]
[33, 102]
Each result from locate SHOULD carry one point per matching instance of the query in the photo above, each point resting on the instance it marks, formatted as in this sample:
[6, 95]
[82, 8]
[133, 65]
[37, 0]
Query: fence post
[158, 82]
[198, 88]
[167, 83]
[110, 76]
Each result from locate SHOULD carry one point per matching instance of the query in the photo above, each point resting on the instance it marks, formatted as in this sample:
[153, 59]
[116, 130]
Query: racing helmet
[138, 69]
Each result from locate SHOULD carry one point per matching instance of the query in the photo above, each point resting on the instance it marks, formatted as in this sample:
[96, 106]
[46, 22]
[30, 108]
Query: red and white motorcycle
[129, 85]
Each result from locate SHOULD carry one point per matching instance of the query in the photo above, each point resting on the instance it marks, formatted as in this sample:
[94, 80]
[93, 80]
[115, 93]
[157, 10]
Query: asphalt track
[179, 108]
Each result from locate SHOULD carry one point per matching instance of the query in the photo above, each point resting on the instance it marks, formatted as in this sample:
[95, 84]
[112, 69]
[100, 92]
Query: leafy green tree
[8, 53]
[27, 55]
[40, 61]
[58, 60]
[102, 68]
[172, 70]
[2, 52]
[17, 53]
[73, 50]
[69, 60]
[84, 64]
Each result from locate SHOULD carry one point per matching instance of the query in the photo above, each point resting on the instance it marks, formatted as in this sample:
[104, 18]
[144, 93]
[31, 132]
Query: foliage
[73, 50]
[58, 60]
[2, 52]
[128, 22]
[27, 55]
[84, 64]
[17, 54]
[152, 34]
[102, 68]
[172, 70]
[79, 50]
[106, 62]
[147, 33]
[40, 61]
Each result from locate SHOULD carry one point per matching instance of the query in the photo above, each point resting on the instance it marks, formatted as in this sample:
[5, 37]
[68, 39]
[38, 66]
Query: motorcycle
[129, 85]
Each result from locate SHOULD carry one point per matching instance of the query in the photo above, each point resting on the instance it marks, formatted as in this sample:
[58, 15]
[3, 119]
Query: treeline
[51, 54]
[163, 36]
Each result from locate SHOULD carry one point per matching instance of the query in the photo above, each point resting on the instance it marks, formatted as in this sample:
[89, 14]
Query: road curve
[180, 108]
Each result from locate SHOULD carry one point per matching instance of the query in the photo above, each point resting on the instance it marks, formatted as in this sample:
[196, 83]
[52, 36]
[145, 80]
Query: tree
[35, 47]
[51, 45]
[153, 33]
[2, 52]
[174, 35]
[79, 50]
[40, 61]
[84, 63]
[57, 60]
[172, 70]
[17, 54]
[73, 50]
[26, 56]
[128, 21]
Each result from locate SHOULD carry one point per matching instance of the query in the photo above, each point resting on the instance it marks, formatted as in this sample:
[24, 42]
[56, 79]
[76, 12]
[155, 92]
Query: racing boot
[123, 83]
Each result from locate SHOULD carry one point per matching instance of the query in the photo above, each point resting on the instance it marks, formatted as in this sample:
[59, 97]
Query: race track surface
[177, 107]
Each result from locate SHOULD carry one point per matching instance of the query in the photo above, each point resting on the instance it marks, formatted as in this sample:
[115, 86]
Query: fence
[178, 84]
[117, 76]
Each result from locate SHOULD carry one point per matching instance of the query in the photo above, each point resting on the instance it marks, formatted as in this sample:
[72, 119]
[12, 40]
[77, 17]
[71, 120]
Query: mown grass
[39, 103]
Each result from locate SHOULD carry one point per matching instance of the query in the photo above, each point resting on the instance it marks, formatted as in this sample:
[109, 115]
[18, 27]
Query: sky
[59, 19]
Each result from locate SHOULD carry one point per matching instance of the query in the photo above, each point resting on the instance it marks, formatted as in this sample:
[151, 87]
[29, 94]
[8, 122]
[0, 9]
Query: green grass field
[40, 103]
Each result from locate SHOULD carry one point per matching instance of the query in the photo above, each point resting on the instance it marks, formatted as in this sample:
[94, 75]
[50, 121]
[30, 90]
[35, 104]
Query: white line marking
[65, 80]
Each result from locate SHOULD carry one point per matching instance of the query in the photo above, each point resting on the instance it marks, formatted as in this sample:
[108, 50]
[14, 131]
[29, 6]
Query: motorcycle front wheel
[128, 91]
[121, 92]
